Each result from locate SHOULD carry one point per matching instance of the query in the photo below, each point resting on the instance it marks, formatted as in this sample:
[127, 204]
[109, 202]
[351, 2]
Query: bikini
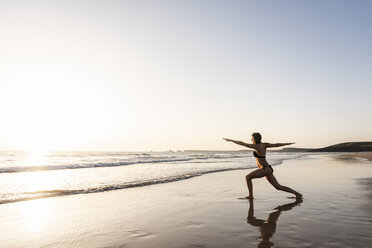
[258, 156]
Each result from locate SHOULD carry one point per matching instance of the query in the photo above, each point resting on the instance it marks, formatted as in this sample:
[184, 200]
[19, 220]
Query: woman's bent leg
[254, 174]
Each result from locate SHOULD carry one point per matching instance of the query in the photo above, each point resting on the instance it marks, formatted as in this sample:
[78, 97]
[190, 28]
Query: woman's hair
[257, 137]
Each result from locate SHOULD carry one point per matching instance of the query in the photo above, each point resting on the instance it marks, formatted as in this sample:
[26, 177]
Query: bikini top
[257, 156]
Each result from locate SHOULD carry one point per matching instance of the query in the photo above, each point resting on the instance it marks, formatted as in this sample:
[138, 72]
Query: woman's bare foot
[299, 195]
[247, 197]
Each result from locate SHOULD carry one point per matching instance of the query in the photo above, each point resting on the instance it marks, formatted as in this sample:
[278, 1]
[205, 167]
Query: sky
[160, 75]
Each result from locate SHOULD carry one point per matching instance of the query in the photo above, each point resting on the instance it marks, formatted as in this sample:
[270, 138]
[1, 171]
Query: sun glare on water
[37, 212]
[37, 157]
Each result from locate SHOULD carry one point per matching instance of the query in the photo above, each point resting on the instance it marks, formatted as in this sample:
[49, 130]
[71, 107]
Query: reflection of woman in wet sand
[265, 169]
[268, 227]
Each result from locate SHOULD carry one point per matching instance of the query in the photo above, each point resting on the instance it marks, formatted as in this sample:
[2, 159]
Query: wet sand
[204, 212]
[356, 155]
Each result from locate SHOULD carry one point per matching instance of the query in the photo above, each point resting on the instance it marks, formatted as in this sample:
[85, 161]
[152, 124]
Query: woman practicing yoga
[265, 169]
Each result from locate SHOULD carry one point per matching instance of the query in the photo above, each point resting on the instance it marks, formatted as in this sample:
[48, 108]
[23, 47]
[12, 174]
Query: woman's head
[256, 138]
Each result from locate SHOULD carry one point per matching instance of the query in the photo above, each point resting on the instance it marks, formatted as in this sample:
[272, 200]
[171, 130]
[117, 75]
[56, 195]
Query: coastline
[204, 212]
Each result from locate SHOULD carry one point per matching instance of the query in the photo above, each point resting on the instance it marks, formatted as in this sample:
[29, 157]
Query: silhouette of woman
[268, 227]
[265, 170]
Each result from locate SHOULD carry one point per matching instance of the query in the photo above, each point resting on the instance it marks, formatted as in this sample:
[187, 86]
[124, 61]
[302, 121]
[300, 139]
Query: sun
[45, 116]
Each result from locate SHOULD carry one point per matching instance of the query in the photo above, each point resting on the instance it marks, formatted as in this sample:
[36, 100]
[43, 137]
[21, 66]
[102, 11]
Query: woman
[265, 169]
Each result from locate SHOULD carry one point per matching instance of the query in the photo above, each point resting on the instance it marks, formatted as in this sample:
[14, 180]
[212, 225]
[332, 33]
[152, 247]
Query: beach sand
[204, 212]
[356, 155]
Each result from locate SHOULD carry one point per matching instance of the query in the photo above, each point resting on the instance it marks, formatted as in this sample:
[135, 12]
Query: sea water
[30, 175]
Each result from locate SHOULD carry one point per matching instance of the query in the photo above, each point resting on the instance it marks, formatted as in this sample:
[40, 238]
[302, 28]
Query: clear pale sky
[158, 75]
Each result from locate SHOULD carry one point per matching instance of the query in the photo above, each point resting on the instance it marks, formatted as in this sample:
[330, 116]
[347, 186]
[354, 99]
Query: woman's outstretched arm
[241, 143]
[277, 144]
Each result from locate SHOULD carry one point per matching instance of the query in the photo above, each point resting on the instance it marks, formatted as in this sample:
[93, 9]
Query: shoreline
[204, 211]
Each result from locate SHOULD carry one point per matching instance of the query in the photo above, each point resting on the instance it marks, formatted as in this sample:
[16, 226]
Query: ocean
[26, 176]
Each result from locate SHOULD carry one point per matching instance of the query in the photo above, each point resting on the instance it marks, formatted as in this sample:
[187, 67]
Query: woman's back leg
[271, 178]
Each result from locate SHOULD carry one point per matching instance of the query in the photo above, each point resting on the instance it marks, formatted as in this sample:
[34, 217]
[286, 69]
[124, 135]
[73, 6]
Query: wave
[63, 192]
[23, 196]
[149, 160]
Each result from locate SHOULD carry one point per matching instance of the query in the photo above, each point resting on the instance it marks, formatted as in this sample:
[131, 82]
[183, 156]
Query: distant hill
[346, 147]
[342, 147]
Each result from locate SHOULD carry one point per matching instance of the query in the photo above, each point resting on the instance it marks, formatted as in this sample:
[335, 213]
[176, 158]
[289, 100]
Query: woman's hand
[228, 140]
